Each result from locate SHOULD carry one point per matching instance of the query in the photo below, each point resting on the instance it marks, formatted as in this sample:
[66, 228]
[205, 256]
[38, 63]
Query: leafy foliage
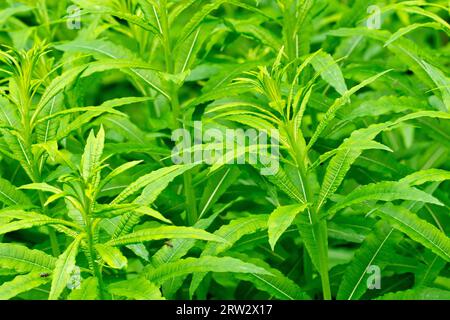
[93, 205]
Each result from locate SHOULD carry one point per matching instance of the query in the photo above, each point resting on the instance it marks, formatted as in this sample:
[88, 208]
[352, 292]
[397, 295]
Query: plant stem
[51, 232]
[299, 151]
[92, 256]
[307, 266]
[191, 210]
[191, 205]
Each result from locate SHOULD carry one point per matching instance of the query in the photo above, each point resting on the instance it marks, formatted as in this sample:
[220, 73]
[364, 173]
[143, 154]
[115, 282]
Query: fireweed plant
[352, 96]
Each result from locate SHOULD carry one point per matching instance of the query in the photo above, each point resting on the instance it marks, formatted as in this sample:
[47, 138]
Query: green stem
[191, 205]
[51, 232]
[299, 149]
[307, 266]
[92, 256]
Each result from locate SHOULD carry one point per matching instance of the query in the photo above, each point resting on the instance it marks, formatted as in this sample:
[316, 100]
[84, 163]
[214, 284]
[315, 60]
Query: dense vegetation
[354, 93]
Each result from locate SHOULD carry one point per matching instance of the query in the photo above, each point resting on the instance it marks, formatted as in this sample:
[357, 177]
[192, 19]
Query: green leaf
[354, 282]
[22, 259]
[63, 269]
[216, 186]
[166, 232]
[405, 30]
[203, 264]
[47, 130]
[112, 256]
[91, 159]
[153, 213]
[383, 191]
[136, 288]
[281, 219]
[422, 293]
[41, 220]
[56, 86]
[153, 184]
[329, 70]
[335, 173]
[285, 184]
[231, 233]
[20, 284]
[427, 275]
[105, 49]
[417, 229]
[87, 291]
[197, 19]
[180, 247]
[118, 171]
[277, 284]
[424, 176]
[20, 150]
[10, 195]
[331, 113]
[177, 249]
[42, 187]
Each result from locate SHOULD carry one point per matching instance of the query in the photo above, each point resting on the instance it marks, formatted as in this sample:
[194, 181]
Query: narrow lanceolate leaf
[56, 86]
[417, 229]
[20, 284]
[63, 269]
[234, 231]
[277, 284]
[118, 171]
[331, 113]
[428, 274]
[42, 187]
[203, 264]
[403, 31]
[10, 195]
[153, 183]
[349, 151]
[422, 293]
[29, 223]
[231, 233]
[112, 256]
[87, 291]
[315, 237]
[136, 288]
[178, 249]
[329, 70]
[354, 283]
[166, 232]
[336, 171]
[285, 184]
[90, 161]
[424, 176]
[441, 81]
[281, 219]
[383, 191]
[147, 211]
[156, 181]
[105, 49]
[217, 185]
[198, 18]
[47, 130]
[22, 259]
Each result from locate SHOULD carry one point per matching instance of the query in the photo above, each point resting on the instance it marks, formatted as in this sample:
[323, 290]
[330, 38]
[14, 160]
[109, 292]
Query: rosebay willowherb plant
[224, 149]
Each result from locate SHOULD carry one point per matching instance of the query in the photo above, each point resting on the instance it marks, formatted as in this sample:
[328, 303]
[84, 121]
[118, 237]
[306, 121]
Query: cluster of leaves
[92, 206]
